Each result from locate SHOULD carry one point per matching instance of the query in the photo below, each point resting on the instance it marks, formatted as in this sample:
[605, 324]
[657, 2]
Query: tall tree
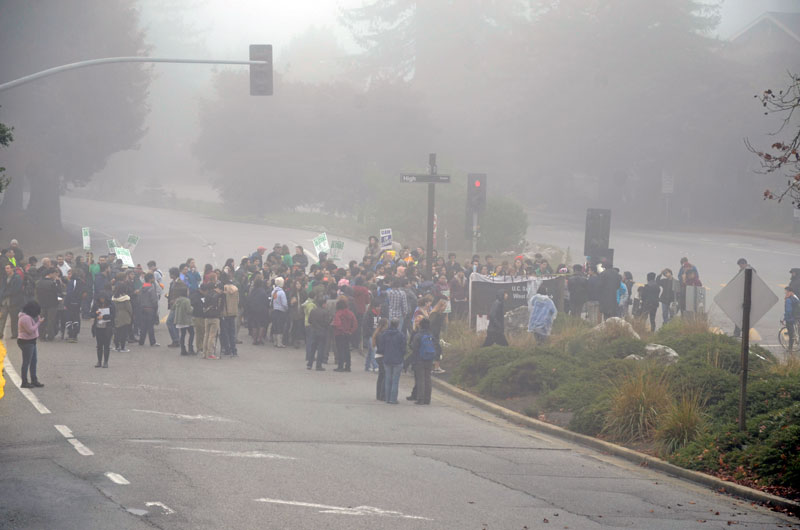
[69, 124]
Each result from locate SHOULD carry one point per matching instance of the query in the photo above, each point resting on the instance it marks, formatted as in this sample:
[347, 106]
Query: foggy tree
[5, 138]
[69, 124]
[313, 56]
[783, 155]
[309, 144]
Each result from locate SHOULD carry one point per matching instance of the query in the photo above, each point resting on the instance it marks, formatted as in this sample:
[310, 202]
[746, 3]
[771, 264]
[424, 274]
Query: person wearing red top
[361, 298]
[344, 325]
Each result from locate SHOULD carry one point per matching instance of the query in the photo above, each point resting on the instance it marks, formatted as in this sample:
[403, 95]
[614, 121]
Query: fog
[564, 105]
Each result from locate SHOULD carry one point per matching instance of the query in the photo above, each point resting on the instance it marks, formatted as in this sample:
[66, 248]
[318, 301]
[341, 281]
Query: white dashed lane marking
[116, 478]
[30, 396]
[167, 510]
[66, 432]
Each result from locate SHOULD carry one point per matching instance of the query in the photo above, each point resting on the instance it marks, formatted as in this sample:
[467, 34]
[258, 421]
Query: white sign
[125, 255]
[667, 183]
[337, 249]
[111, 244]
[87, 240]
[386, 238]
[321, 243]
[731, 299]
[132, 242]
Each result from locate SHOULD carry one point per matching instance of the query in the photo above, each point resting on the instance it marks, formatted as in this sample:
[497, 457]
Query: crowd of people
[367, 305]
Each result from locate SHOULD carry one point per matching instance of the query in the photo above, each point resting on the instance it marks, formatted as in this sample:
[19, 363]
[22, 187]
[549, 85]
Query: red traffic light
[477, 183]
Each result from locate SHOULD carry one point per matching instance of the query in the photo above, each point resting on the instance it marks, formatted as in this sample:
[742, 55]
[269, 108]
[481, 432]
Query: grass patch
[638, 400]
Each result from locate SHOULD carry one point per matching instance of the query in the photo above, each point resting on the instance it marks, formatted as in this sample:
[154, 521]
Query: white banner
[87, 240]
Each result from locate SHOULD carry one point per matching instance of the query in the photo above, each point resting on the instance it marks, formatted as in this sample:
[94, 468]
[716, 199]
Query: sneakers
[320, 369]
[214, 357]
[439, 371]
[174, 345]
[156, 345]
[124, 350]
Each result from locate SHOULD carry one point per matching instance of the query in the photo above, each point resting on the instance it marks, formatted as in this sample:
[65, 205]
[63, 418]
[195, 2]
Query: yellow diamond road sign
[731, 299]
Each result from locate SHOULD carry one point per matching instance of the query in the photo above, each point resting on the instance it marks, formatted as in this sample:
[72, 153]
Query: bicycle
[783, 337]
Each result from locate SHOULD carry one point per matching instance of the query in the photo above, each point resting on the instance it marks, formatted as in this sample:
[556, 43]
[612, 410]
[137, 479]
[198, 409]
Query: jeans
[28, 359]
[343, 351]
[227, 335]
[190, 331]
[146, 329]
[393, 372]
[173, 331]
[370, 364]
[316, 343]
[666, 314]
[380, 385]
[103, 336]
[73, 320]
[422, 381]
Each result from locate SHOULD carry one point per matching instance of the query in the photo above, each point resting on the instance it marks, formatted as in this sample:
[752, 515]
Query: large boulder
[614, 328]
[661, 353]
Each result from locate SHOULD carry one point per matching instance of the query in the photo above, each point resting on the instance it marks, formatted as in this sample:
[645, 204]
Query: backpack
[427, 350]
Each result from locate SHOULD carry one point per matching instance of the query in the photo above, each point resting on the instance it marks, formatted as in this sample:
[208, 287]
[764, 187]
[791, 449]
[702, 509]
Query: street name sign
[731, 299]
[422, 178]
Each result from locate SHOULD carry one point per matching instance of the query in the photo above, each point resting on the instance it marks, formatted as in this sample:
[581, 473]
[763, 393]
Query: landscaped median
[668, 399]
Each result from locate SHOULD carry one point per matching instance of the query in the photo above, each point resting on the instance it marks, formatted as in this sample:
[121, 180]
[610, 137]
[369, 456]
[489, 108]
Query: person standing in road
[198, 322]
[423, 352]
[380, 385]
[28, 332]
[459, 294]
[47, 294]
[76, 293]
[183, 318]
[123, 317]
[102, 329]
[148, 311]
[212, 310]
[11, 299]
[495, 332]
[344, 325]
[257, 311]
[174, 283]
[393, 345]
[397, 301]
[650, 295]
[369, 324]
[230, 310]
[319, 320]
[280, 308]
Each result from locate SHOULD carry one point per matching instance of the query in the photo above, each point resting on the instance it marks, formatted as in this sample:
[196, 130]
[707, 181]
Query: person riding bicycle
[791, 314]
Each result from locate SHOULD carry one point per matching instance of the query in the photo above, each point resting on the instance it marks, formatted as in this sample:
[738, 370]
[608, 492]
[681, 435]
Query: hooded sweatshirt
[124, 310]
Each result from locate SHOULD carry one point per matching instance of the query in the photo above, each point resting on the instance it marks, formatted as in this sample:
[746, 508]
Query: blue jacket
[393, 345]
[788, 308]
[193, 280]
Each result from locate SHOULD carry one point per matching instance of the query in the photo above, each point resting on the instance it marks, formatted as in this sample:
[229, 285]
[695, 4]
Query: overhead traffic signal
[261, 74]
[476, 192]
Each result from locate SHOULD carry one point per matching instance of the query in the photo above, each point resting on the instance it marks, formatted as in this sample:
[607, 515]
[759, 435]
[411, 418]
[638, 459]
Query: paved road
[714, 254]
[259, 442]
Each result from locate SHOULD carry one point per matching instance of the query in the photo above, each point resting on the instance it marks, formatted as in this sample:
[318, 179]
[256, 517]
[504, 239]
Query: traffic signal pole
[110, 60]
[431, 208]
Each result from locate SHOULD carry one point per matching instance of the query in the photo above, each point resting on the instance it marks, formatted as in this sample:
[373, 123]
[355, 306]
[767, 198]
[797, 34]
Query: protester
[344, 325]
[29, 320]
[102, 329]
[424, 352]
[380, 385]
[495, 332]
[650, 295]
[542, 314]
[12, 298]
[123, 318]
[393, 347]
[183, 319]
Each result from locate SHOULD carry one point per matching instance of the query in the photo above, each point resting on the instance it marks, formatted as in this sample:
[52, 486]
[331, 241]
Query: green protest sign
[87, 240]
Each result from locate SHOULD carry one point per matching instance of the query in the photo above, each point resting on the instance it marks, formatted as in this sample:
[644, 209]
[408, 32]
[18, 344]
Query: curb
[636, 457]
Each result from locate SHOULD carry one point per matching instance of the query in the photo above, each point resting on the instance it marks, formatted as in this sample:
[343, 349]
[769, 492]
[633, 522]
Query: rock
[614, 328]
[634, 357]
[517, 319]
[661, 353]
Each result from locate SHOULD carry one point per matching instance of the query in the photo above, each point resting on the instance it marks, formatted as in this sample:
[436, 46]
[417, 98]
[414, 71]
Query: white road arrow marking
[116, 478]
[167, 509]
[202, 417]
[339, 510]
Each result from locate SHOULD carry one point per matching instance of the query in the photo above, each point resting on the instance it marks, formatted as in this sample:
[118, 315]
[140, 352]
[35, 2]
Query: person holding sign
[103, 328]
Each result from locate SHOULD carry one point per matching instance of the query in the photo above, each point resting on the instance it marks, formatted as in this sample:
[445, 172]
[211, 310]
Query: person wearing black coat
[103, 328]
[495, 333]
[257, 311]
[578, 287]
[666, 282]
[610, 281]
[650, 295]
[48, 291]
[76, 292]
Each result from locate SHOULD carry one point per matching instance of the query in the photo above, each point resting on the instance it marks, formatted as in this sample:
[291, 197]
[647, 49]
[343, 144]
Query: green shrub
[713, 385]
[590, 420]
[768, 452]
[764, 394]
[637, 401]
[534, 374]
[477, 364]
[682, 423]
[719, 351]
